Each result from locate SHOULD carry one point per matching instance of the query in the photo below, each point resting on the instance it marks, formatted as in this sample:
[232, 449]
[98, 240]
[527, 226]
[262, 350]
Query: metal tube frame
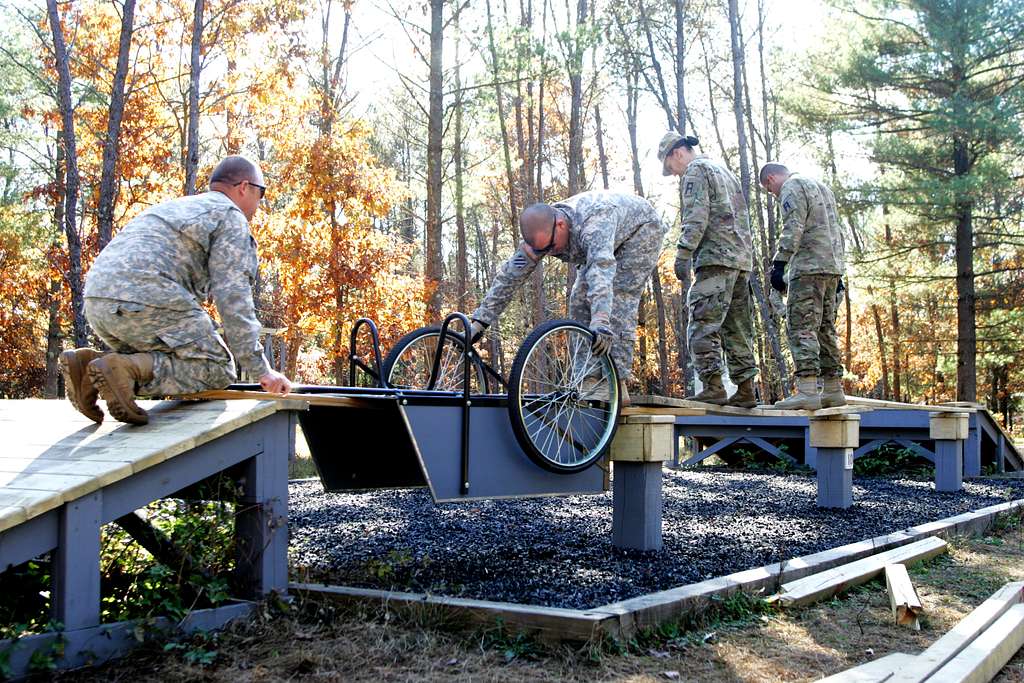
[354, 359]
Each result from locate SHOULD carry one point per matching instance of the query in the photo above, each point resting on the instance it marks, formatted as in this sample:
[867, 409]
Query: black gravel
[558, 551]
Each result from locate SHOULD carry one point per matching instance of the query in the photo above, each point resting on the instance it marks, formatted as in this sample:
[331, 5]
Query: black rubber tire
[417, 336]
[514, 399]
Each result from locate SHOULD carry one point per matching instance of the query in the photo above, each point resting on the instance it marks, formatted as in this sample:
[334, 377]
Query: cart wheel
[408, 364]
[563, 401]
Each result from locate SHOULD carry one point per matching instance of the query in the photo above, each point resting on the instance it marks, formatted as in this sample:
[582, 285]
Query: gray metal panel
[498, 468]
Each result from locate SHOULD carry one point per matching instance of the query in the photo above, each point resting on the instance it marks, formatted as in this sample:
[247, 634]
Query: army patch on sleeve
[519, 260]
[787, 206]
[688, 190]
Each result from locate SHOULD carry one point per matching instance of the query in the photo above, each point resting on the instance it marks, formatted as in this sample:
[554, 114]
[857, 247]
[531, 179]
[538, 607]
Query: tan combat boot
[78, 385]
[117, 375]
[713, 392]
[744, 396]
[832, 395]
[806, 397]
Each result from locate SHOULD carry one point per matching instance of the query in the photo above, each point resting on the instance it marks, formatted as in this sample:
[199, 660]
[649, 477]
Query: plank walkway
[50, 454]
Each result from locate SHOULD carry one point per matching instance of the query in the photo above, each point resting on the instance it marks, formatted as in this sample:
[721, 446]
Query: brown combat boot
[806, 397]
[78, 385]
[744, 396]
[713, 392]
[116, 376]
[832, 395]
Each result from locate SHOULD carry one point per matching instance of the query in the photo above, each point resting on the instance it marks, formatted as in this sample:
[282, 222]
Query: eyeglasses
[551, 242]
[263, 189]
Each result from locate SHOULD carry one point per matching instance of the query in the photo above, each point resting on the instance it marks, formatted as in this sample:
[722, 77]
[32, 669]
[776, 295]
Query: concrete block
[836, 431]
[644, 438]
[949, 426]
[636, 505]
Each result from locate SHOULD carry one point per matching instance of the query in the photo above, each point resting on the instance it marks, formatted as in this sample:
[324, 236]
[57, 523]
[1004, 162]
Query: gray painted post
[636, 506]
[949, 430]
[642, 443]
[810, 453]
[834, 437]
[1001, 453]
[75, 598]
[972, 448]
[261, 526]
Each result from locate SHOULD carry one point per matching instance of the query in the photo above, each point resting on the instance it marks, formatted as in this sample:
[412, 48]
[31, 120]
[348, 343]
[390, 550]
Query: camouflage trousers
[188, 354]
[721, 318]
[811, 326]
[635, 260]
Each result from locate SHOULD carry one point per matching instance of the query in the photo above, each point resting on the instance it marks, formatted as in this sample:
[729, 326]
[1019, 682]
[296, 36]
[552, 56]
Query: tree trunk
[192, 151]
[108, 177]
[51, 386]
[462, 254]
[886, 391]
[659, 303]
[71, 176]
[435, 132]
[966, 304]
[602, 158]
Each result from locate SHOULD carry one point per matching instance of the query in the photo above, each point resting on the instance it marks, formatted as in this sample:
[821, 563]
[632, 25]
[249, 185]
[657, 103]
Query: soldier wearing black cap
[715, 233]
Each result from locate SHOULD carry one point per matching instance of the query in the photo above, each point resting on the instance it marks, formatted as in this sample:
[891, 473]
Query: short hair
[232, 170]
[771, 168]
[535, 219]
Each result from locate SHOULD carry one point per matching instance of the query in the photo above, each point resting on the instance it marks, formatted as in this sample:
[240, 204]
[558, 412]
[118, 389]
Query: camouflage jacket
[178, 254]
[812, 240]
[715, 225]
[601, 225]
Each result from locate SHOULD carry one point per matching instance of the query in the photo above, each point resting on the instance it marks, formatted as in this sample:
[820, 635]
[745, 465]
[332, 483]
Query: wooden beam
[905, 603]
[870, 672]
[961, 635]
[826, 584]
[980, 661]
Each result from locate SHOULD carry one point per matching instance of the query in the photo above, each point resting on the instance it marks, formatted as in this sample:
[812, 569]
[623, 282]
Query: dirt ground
[746, 641]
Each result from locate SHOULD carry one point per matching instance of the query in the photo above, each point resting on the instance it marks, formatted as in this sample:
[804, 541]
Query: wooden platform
[647, 404]
[51, 454]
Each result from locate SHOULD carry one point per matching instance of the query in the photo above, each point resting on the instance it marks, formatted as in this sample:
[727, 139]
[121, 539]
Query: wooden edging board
[624, 619]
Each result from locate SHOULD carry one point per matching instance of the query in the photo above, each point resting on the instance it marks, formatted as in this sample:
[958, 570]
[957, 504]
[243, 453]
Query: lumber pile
[974, 651]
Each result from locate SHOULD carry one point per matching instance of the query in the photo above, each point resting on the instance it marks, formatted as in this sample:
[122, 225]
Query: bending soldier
[715, 234]
[614, 240]
[143, 298]
[811, 246]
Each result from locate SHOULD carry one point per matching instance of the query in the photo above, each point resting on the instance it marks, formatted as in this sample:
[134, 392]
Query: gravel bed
[558, 552]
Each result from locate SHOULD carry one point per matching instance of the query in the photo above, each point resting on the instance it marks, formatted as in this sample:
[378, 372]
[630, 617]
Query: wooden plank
[105, 472]
[905, 603]
[308, 399]
[980, 661]
[67, 486]
[11, 516]
[648, 401]
[34, 503]
[870, 672]
[663, 410]
[960, 636]
[826, 584]
[896, 405]
[555, 623]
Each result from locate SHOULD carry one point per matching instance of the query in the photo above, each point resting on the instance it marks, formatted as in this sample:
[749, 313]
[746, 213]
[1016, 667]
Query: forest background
[401, 139]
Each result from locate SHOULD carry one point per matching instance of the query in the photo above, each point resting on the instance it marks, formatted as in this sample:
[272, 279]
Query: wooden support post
[642, 443]
[949, 430]
[76, 568]
[834, 437]
[972, 447]
[906, 605]
[261, 525]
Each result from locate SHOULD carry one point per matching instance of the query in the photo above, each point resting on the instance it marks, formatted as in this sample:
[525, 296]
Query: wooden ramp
[62, 478]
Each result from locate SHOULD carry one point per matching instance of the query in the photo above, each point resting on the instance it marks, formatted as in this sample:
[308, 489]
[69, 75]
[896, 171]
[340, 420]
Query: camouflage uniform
[813, 246]
[614, 241]
[715, 228]
[144, 292]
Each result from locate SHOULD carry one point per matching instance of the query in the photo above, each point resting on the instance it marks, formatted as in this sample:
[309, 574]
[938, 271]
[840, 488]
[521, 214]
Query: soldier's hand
[682, 263]
[841, 287]
[603, 336]
[778, 276]
[275, 383]
[476, 330]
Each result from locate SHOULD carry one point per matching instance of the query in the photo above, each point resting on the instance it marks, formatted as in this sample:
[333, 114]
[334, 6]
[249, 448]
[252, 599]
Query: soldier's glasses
[551, 242]
[263, 189]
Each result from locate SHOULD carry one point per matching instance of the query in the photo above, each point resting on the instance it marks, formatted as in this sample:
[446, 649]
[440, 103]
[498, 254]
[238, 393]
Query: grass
[740, 639]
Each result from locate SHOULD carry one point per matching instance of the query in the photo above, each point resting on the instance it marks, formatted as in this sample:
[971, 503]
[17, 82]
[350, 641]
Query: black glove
[682, 263]
[778, 276]
[840, 288]
[476, 330]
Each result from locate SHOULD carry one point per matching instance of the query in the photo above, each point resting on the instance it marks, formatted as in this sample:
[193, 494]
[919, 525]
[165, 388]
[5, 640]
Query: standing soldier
[811, 245]
[715, 233]
[614, 241]
[144, 295]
